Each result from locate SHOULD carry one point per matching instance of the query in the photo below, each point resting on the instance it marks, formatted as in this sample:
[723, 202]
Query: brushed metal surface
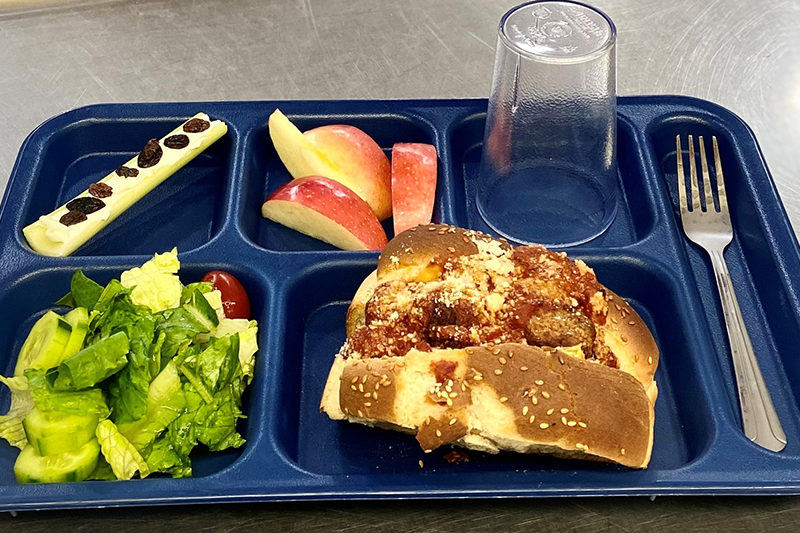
[743, 54]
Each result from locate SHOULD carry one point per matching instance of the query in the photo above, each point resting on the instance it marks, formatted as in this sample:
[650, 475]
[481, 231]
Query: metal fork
[710, 227]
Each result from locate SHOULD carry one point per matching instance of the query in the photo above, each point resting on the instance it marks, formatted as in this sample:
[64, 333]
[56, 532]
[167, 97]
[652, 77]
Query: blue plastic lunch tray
[300, 289]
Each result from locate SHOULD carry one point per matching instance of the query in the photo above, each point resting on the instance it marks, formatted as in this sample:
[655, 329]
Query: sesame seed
[354, 379]
[421, 464]
[523, 368]
[360, 387]
[650, 360]
[368, 404]
[426, 451]
[582, 424]
[478, 377]
[531, 419]
[377, 385]
[453, 394]
[449, 402]
[578, 445]
[497, 372]
[360, 414]
[539, 382]
[451, 249]
[614, 320]
[564, 410]
[550, 411]
[546, 395]
[367, 394]
[438, 433]
[622, 451]
[572, 423]
[387, 383]
[562, 386]
[353, 387]
[450, 383]
[431, 228]
[631, 323]
[375, 395]
[463, 387]
[453, 421]
[503, 399]
[544, 425]
[502, 360]
[623, 338]
[560, 359]
[525, 411]
[496, 351]
[534, 400]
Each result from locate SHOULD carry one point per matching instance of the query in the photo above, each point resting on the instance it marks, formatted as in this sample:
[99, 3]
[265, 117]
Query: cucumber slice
[44, 347]
[53, 432]
[78, 318]
[63, 467]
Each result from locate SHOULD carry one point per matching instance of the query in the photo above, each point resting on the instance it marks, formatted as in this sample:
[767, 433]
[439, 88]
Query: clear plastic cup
[549, 170]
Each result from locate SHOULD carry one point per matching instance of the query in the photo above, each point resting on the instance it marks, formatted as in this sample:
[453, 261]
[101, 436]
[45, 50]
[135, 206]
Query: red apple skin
[362, 165]
[327, 210]
[414, 173]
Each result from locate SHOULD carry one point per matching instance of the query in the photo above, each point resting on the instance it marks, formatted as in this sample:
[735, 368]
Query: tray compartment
[763, 294]
[315, 332]
[264, 173]
[635, 212]
[26, 299]
[84, 151]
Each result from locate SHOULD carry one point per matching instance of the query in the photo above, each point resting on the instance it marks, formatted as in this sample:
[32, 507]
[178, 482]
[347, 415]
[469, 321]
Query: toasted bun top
[455, 265]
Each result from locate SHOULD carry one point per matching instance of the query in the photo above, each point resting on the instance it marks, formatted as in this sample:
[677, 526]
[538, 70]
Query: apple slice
[413, 184]
[326, 210]
[339, 152]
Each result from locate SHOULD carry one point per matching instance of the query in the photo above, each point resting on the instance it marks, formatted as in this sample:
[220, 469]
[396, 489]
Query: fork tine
[693, 175]
[706, 177]
[681, 175]
[723, 196]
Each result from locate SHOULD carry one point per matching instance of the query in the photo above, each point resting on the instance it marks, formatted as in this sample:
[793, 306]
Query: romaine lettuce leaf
[124, 458]
[215, 423]
[156, 283]
[21, 404]
[93, 364]
[179, 327]
[165, 403]
[218, 363]
[162, 457]
[84, 292]
[248, 341]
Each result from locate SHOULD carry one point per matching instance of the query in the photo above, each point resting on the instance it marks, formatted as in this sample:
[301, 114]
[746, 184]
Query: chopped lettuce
[156, 283]
[248, 343]
[92, 364]
[165, 403]
[46, 398]
[124, 458]
[84, 292]
[161, 366]
[21, 404]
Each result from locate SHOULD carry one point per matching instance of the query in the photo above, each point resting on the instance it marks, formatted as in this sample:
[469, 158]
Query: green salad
[129, 381]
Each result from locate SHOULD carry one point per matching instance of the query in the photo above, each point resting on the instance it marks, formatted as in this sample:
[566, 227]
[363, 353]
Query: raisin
[150, 154]
[100, 190]
[127, 172]
[176, 142]
[86, 205]
[196, 125]
[72, 217]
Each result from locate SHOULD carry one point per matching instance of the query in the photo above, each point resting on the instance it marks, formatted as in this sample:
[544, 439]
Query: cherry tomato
[235, 302]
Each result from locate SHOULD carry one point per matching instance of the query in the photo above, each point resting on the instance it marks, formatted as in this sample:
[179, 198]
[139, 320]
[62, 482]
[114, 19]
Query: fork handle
[759, 418]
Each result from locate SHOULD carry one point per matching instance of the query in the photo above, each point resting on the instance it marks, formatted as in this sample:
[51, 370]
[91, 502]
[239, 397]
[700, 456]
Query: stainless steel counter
[743, 54]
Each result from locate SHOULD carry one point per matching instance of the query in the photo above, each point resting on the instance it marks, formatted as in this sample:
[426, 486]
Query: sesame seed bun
[509, 397]
[621, 433]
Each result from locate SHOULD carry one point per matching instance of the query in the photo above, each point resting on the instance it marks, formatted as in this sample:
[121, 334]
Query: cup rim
[513, 47]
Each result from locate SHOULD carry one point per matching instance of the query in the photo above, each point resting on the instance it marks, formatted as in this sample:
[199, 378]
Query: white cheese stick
[49, 236]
